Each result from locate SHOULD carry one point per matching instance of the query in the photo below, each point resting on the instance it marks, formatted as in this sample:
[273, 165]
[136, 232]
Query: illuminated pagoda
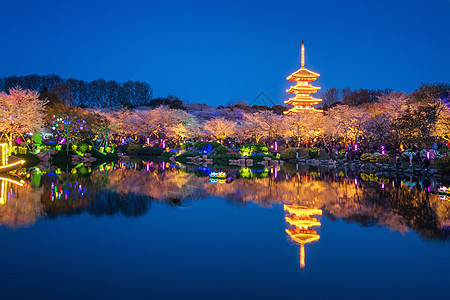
[303, 89]
[301, 218]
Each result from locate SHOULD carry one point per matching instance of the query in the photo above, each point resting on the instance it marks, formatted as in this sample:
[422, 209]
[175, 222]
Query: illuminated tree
[345, 121]
[21, 111]
[443, 123]
[220, 128]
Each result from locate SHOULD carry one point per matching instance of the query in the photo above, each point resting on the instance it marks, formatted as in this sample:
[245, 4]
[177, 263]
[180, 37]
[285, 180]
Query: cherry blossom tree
[220, 128]
[21, 111]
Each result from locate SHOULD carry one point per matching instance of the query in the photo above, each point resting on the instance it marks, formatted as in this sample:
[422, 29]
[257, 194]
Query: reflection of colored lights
[218, 174]
[356, 181]
[382, 185]
[275, 172]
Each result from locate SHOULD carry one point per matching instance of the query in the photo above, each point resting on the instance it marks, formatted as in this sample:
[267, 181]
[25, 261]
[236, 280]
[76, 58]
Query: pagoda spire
[303, 54]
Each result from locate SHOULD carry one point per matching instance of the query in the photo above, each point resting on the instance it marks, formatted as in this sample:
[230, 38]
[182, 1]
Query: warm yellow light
[303, 54]
[300, 217]
[303, 89]
[20, 162]
[18, 182]
[4, 154]
[3, 193]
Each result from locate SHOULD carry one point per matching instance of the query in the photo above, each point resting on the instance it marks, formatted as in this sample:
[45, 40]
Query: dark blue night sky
[211, 52]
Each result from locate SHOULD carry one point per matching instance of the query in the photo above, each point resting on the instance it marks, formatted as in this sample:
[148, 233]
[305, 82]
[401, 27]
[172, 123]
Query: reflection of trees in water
[128, 191]
[22, 206]
[110, 203]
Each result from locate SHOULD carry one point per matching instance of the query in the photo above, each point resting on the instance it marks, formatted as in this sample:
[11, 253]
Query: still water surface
[155, 231]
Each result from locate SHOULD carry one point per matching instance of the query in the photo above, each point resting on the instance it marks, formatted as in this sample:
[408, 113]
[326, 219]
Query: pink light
[148, 166]
[276, 171]
[164, 144]
[148, 141]
[356, 181]
[382, 185]
[356, 147]
[276, 147]
[428, 155]
[382, 150]
[123, 140]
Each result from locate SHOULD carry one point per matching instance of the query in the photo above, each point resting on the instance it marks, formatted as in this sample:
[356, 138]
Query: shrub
[373, 158]
[313, 152]
[182, 157]
[83, 147]
[442, 165]
[383, 158]
[253, 149]
[221, 150]
[132, 148]
[150, 151]
[204, 145]
[187, 145]
[288, 153]
[366, 156]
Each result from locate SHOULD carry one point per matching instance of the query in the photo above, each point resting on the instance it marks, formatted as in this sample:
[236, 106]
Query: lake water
[158, 231]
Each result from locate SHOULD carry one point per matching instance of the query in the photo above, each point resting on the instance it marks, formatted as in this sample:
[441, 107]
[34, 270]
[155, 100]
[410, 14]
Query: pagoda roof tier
[302, 222]
[301, 99]
[303, 236]
[304, 89]
[302, 210]
[296, 110]
[303, 74]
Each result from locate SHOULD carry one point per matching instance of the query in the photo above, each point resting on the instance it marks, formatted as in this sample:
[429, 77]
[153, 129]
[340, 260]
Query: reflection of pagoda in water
[300, 217]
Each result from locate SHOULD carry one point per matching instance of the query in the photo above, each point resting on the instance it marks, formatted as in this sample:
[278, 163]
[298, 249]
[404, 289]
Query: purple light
[356, 181]
[148, 141]
[164, 144]
[382, 150]
[382, 185]
[428, 155]
[123, 140]
[276, 171]
[276, 147]
[356, 147]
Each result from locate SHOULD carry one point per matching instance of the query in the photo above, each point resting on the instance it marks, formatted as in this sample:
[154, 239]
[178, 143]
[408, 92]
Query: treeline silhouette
[80, 93]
